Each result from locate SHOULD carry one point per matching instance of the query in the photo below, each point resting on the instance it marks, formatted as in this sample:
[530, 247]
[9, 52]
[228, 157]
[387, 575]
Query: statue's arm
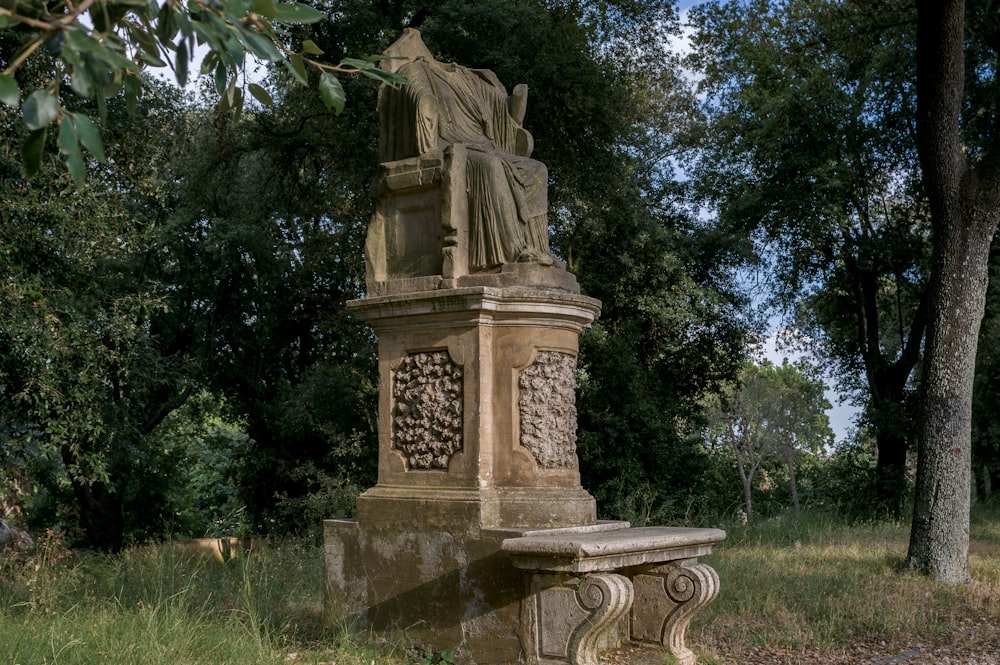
[408, 117]
[426, 122]
[517, 103]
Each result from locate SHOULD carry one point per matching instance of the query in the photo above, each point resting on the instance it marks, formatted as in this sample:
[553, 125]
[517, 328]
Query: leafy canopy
[102, 48]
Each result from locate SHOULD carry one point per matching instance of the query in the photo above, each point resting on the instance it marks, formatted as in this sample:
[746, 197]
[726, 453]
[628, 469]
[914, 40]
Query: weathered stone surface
[427, 413]
[649, 575]
[446, 104]
[459, 201]
[547, 405]
[612, 549]
[424, 561]
[433, 588]
[491, 336]
[568, 619]
[667, 596]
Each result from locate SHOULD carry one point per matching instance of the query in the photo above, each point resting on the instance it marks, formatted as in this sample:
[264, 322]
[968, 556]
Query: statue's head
[408, 47]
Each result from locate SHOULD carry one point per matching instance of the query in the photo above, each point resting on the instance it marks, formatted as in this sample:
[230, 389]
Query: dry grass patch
[813, 585]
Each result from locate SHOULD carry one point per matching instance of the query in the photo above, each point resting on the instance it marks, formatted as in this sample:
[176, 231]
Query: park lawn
[794, 589]
[816, 585]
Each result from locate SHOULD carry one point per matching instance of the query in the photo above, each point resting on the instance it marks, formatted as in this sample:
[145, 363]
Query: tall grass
[814, 582]
[163, 605]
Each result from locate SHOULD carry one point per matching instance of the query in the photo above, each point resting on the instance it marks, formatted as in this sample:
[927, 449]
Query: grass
[812, 583]
[815, 583]
[163, 605]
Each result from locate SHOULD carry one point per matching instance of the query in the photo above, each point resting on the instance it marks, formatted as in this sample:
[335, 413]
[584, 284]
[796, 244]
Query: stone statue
[459, 201]
[445, 105]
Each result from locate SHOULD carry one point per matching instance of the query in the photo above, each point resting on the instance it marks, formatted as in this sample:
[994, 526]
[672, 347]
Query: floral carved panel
[427, 410]
[547, 409]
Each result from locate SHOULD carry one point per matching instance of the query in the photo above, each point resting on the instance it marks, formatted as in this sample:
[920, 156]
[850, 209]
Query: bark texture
[964, 213]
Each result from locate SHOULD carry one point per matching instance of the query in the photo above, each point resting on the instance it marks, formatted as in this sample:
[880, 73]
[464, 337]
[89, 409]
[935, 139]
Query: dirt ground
[870, 654]
[975, 645]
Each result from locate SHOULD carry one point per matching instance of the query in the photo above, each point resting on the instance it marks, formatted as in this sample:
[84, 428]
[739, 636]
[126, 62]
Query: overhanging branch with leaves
[103, 46]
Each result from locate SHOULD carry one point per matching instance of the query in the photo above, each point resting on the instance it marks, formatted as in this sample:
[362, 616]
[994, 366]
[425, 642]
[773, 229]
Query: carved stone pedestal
[477, 444]
[477, 413]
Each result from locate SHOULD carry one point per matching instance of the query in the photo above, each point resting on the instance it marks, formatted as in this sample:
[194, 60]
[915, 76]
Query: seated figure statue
[446, 105]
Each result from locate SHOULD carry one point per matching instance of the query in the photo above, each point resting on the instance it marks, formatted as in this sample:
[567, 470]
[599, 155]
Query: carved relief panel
[547, 409]
[427, 418]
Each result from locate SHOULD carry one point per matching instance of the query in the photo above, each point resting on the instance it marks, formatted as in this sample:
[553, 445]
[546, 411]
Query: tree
[799, 416]
[262, 252]
[985, 428]
[775, 413]
[959, 144]
[82, 379]
[736, 423]
[809, 152]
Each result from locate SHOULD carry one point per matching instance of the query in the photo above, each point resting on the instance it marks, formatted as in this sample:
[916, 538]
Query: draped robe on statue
[446, 104]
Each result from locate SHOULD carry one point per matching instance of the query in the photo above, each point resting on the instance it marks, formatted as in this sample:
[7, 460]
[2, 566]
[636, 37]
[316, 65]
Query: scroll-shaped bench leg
[609, 597]
[666, 597]
[570, 619]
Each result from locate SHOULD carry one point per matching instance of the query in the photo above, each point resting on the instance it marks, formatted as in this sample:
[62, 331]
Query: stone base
[469, 510]
[428, 568]
[542, 596]
[533, 275]
[437, 590]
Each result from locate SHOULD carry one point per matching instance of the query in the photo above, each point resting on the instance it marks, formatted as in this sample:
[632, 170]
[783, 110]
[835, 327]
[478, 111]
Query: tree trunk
[101, 515]
[746, 479]
[939, 538]
[890, 471]
[790, 460]
[965, 207]
[887, 385]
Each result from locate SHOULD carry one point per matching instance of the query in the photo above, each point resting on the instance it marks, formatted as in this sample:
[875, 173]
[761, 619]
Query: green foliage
[845, 483]
[165, 604]
[263, 252]
[83, 379]
[790, 586]
[774, 416]
[102, 48]
[185, 485]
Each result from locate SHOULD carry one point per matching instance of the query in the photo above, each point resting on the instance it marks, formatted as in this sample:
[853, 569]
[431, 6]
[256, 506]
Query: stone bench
[591, 588]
